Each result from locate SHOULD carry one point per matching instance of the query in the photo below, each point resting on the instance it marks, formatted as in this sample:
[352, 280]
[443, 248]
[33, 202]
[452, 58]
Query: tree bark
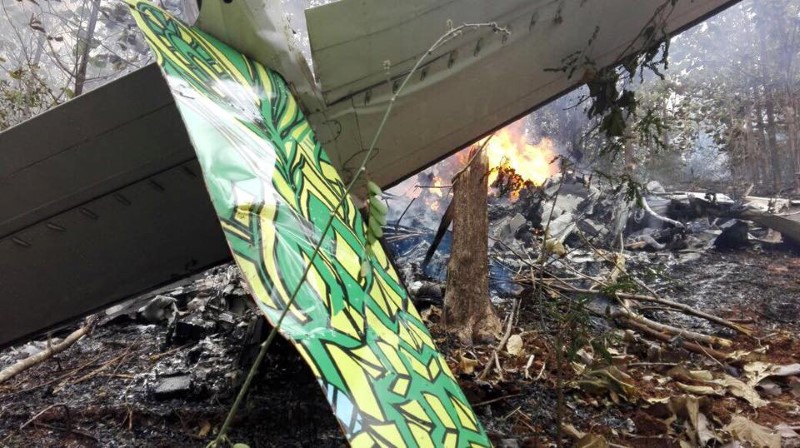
[765, 64]
[468, 310]
[83, 60]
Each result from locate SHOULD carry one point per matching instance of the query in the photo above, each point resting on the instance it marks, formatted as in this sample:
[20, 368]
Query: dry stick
[495, 400]
[691, 346]
[223, 433]
[628, 319]
[96, 371]
[693, 335]
[659, 217]
[59, 378]
[685, 308]
[397, 224]
[689, 310]
[499, 367]
[39, 414]
[502, 342]
[22, 365]
[656, 299]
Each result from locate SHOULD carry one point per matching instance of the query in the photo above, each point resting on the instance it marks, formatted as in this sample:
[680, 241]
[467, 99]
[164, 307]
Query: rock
[733, 237]
[173, 387]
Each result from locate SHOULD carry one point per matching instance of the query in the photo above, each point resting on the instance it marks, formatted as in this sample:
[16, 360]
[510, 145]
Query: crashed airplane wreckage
[110, 200]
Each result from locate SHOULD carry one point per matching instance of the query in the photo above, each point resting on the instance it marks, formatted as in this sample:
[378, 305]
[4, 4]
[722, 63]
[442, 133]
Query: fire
[510, 149]
[436, 188]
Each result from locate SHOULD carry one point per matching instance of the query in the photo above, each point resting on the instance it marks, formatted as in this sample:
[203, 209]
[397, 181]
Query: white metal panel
[471, 86]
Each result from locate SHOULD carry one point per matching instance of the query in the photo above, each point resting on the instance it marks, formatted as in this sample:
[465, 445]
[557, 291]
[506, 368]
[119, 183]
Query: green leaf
[375, 227]
[374, 189]
[378, 206]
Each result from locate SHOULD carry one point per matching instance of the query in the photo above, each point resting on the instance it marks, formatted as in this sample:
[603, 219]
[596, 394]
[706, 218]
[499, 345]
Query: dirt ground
[104, 391]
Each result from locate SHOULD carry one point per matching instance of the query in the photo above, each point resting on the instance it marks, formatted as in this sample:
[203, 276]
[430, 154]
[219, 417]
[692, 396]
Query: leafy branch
[613, 101]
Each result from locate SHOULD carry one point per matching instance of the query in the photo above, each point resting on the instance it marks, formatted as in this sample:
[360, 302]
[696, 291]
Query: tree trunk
[772, 138]
[468, 310]
[767, 169]
[765, 61]
[83, 57]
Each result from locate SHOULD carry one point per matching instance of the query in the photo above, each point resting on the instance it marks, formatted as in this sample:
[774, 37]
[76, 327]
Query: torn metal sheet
[788, 224]
[274, 190]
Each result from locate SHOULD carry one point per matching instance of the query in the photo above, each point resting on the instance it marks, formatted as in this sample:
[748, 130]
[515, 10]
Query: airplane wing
[469, 87]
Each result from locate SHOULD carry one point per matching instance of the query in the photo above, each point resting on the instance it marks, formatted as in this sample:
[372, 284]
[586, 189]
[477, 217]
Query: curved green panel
[274, 188]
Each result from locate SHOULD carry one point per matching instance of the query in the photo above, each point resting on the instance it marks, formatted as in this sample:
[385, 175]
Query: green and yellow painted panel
[274, 189]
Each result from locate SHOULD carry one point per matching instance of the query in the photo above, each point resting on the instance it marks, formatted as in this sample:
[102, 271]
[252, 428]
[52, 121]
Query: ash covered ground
[163, 369]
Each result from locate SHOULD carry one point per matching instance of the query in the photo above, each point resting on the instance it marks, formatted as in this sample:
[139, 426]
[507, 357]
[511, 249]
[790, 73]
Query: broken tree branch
[681, 332]
[27, 363]
[690, 346]
[646, 206]
[669, 303]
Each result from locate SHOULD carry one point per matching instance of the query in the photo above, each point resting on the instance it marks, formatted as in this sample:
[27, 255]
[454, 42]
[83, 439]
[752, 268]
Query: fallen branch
[690, 346]
[669, 329]
[27, 363]
[678, 306]
[689, 310]
[646, 206]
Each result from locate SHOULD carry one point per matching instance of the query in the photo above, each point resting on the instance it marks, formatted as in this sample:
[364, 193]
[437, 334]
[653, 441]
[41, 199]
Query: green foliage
[23, 95]
[624, 284]
[376, 212]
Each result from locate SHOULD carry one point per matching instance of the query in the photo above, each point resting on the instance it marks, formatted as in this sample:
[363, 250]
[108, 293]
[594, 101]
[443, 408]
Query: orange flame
[436, 188]
[509, 148]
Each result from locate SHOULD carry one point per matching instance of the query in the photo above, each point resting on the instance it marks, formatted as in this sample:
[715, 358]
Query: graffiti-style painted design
[274, 188]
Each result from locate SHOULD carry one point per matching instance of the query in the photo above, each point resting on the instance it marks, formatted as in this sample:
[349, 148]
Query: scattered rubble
[162, 370]
[660, 327]
[621, 329]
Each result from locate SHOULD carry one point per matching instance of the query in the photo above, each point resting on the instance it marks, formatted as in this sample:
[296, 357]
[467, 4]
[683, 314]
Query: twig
[681, 332]
[653, 364]
[158, 356]
[495, 400]
[39, 414]
[72, 430]
[502, 343]
[397, 224]
[499, 367]
[692, 347]
[689, 310]
[541, 372]
[528, 367]
[678, 306]
[27, 363]
[96, 371]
